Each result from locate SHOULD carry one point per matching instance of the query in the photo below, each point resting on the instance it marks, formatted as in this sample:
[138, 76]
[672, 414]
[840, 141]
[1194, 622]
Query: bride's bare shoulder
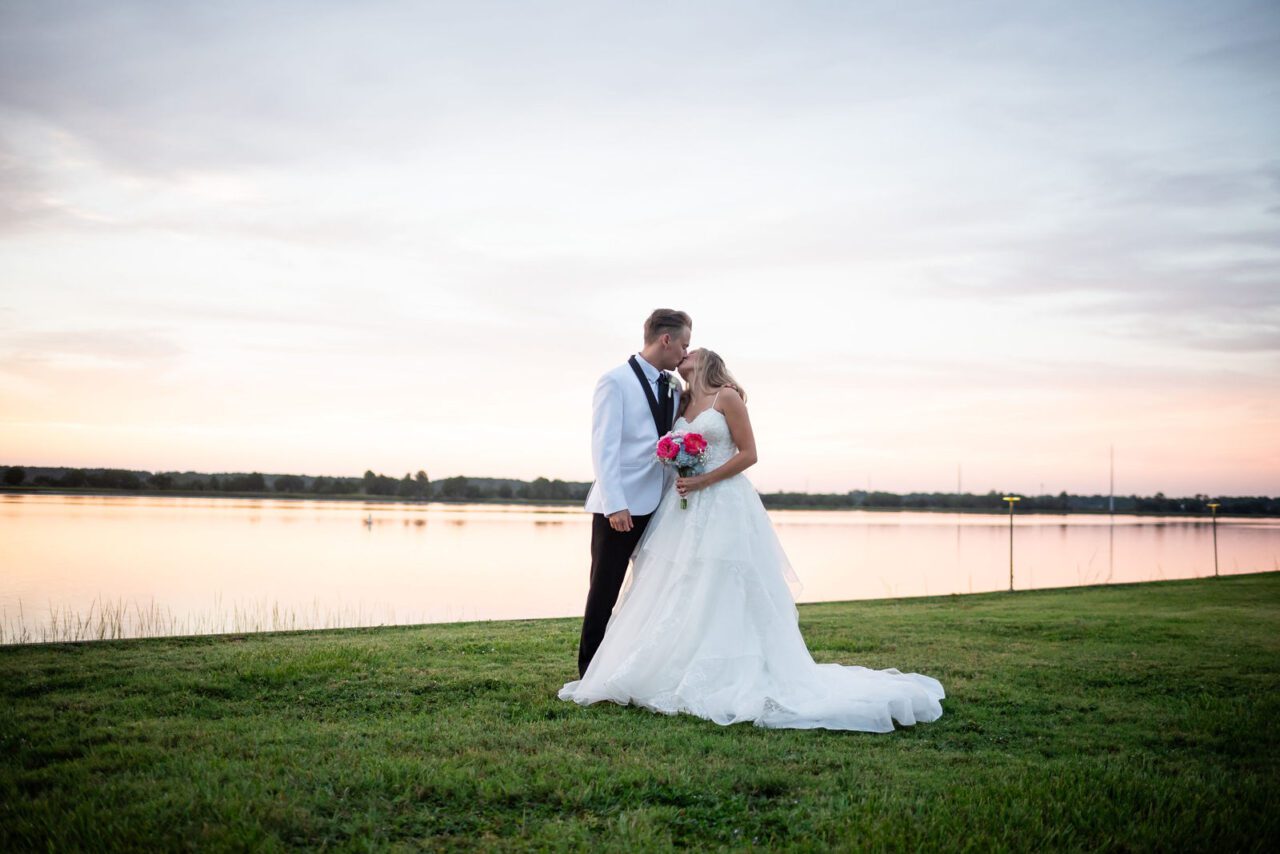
[728, 399]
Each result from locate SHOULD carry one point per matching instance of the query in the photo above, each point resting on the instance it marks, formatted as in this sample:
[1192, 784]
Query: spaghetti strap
[717, 397]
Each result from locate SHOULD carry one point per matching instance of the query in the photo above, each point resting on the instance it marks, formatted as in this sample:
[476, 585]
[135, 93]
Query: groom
[635, 405]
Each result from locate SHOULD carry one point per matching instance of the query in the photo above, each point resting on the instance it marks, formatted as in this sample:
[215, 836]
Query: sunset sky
[324, 237]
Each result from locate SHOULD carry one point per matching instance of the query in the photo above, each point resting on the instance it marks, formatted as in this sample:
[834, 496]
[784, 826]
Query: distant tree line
[458, 488]
[411, 486]
[994, 501]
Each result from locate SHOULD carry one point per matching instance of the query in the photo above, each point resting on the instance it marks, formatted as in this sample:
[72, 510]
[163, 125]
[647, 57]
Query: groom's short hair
[665, 321]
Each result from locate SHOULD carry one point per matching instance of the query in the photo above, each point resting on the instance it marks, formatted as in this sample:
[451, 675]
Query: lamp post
[1011, 499]
[1214, 508]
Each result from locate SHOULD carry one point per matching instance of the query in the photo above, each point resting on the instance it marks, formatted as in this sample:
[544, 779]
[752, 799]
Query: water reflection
[208, 564]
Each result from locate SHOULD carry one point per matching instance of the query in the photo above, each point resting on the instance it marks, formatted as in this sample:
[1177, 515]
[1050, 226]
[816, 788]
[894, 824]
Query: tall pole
[1011, 499]
[1214, 508]
[1010, 546]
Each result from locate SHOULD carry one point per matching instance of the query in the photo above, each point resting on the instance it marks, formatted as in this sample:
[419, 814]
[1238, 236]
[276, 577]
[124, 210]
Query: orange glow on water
[207, 560]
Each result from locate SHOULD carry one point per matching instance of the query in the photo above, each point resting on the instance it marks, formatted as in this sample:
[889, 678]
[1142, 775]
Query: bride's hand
[685, 485]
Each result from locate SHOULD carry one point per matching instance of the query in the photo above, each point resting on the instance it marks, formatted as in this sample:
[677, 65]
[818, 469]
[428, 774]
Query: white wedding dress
[706, 624]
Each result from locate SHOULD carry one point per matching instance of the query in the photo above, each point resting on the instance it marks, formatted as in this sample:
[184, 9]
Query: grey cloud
[1130, 295]
[1122, 179]
[162, 86]
[1186, 189]
[158, 88]
[1153, 250]
[30, 199]
[1246, 333]
[26, 199]
[1253, 56]
[1264, 341]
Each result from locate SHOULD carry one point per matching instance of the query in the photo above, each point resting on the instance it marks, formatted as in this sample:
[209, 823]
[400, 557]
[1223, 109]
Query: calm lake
[85, 567]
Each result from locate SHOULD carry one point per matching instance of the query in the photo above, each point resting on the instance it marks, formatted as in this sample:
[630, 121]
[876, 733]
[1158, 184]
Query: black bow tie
[663, 379]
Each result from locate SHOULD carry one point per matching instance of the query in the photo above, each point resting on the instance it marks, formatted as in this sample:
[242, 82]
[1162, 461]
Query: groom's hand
[620, 521]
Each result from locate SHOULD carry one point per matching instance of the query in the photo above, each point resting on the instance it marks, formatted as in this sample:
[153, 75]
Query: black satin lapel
[654, 408]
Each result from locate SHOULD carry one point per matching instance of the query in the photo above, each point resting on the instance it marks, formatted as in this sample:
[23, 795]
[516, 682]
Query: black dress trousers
[610, 553]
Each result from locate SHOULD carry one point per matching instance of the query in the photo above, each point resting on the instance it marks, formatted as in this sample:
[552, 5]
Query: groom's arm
[606, 444]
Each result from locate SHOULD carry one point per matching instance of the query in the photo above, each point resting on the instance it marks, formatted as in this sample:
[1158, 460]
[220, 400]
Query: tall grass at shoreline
[1127, 717]
[121, 620]
[129, 620]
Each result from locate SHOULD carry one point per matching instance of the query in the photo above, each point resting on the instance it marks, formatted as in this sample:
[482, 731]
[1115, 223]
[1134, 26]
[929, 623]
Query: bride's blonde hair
[709, 375]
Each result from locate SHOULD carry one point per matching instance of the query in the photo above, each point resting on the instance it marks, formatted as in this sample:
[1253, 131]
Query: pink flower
[667, 448]
[694, 444]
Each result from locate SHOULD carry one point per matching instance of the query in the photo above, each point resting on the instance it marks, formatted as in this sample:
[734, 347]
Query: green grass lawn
[1128, 717]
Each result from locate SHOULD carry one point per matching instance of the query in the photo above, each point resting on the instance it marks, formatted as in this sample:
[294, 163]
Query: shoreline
[574, 503]
[935, 598]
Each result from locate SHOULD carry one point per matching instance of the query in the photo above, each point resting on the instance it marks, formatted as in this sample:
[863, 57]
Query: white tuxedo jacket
[623, 441]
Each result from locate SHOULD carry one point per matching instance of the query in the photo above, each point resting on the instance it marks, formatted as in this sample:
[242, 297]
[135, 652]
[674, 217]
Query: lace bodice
[714, 428]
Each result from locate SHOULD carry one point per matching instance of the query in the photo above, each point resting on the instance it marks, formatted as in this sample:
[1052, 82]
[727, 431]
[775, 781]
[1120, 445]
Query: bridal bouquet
[685, 451]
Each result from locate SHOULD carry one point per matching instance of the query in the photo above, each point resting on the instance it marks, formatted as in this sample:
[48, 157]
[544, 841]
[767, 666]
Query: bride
[706, 624]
